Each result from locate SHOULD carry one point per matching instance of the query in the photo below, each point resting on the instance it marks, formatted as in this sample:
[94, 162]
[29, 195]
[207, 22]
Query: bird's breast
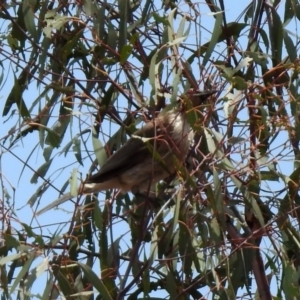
[180, 132]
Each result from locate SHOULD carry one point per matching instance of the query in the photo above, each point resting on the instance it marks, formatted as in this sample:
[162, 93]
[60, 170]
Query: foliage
[78, 77]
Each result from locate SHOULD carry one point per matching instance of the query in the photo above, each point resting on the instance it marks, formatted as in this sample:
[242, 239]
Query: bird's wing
[133, 152]
[55, 203]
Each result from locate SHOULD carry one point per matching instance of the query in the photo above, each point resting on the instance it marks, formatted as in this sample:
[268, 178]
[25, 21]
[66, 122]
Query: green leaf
[290, 283]
[124, 12]
[265, 39]
[170, 284]
[180, 31]
[99, 16]
[214, 38]
[73, 183]
[54, 21]
[161, 19]
[290, 47]
[9, 258]
[29, 17]
[40, 190]
[52, 139]
[47, 153]
[18, 31]
[65, 285]
[48, 288]
[23, 272]
[239, 83]
[97, 216]
[218, 204]
[155, 67]
[186, 249]
[41, 171]
[95, 281]
[248, 198]
[125, 53]
[16, 95]
[91, 9]
[269, 175]
[277, 36]
[77, 150]
[112, 39]
[99, 150]
[215, 231]
[289, 13]
[70, 45]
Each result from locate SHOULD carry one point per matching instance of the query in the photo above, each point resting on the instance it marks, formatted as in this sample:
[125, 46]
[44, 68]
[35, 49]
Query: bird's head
[194, 98]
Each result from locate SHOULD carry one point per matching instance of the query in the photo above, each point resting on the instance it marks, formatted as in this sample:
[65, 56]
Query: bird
[148, 156]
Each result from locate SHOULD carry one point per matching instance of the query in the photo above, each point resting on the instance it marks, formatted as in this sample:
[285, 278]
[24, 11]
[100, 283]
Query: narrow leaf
[214, 38]
[95, 281]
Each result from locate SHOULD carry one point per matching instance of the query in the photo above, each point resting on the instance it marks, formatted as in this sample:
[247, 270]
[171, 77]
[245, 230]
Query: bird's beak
[198, 97]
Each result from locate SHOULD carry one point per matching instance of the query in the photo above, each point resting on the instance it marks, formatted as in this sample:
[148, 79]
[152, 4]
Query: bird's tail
[55, 203]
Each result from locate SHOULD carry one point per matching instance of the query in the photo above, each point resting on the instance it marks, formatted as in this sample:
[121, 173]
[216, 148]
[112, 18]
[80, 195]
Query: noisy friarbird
[150, 155]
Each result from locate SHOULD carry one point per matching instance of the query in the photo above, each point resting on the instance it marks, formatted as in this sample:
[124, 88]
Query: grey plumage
[150, 155]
